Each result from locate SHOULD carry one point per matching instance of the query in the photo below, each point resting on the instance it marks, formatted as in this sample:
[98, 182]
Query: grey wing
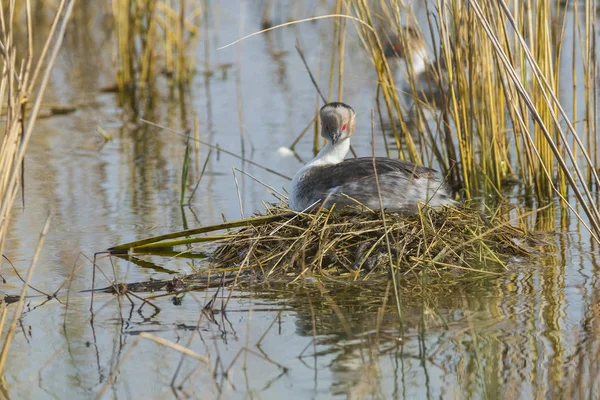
[401, 183]
[363, 167]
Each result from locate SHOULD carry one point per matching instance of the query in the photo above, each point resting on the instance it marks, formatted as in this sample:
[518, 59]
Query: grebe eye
[344, 127]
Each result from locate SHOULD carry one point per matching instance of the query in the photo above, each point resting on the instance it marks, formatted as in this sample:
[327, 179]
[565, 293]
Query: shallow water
[513, 335]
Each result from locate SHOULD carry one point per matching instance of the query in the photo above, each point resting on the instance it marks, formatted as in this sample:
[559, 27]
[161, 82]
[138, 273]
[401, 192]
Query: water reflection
[478, 336]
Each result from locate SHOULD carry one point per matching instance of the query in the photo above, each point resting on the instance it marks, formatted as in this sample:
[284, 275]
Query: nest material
[329, 243]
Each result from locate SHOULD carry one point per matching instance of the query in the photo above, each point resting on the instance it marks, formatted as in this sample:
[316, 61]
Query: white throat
[418, 63]
[331, 154]
[420, 59]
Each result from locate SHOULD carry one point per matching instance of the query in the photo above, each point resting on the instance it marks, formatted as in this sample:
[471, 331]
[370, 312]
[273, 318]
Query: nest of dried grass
[356, 244]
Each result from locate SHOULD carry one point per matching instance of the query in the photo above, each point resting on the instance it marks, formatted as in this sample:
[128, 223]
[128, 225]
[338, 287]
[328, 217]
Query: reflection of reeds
[24, 79]
[581, 379]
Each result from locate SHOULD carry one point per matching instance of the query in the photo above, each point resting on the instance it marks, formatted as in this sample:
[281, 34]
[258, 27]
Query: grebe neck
[331, 153]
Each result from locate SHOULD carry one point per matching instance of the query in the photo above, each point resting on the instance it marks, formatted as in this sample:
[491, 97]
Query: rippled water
[512, 335]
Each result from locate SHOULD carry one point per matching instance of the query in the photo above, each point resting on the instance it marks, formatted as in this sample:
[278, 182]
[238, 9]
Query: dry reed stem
[383, 220]
[298, 22]
[177, 347]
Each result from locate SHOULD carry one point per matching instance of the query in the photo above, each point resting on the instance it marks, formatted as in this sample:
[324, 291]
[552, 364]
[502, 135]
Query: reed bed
[353, 243]
[155, 38]
[499, 120]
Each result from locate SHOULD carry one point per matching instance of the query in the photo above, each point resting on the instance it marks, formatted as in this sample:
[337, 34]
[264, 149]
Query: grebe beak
[335, 137]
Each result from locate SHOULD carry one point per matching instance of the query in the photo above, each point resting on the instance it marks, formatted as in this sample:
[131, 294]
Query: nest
[331, 243]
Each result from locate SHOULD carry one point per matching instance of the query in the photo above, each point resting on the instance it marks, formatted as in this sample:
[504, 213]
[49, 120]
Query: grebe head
[337, 121]
[408, 43]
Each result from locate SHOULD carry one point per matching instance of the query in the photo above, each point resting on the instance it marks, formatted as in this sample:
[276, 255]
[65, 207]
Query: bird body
[413, 65]
[329, 178]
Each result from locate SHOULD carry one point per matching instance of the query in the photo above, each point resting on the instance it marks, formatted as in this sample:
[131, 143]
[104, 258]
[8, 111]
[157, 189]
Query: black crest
[338, 104]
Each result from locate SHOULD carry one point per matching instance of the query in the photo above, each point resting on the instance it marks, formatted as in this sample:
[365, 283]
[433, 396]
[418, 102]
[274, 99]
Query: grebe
[331, 179]
[412, 62]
